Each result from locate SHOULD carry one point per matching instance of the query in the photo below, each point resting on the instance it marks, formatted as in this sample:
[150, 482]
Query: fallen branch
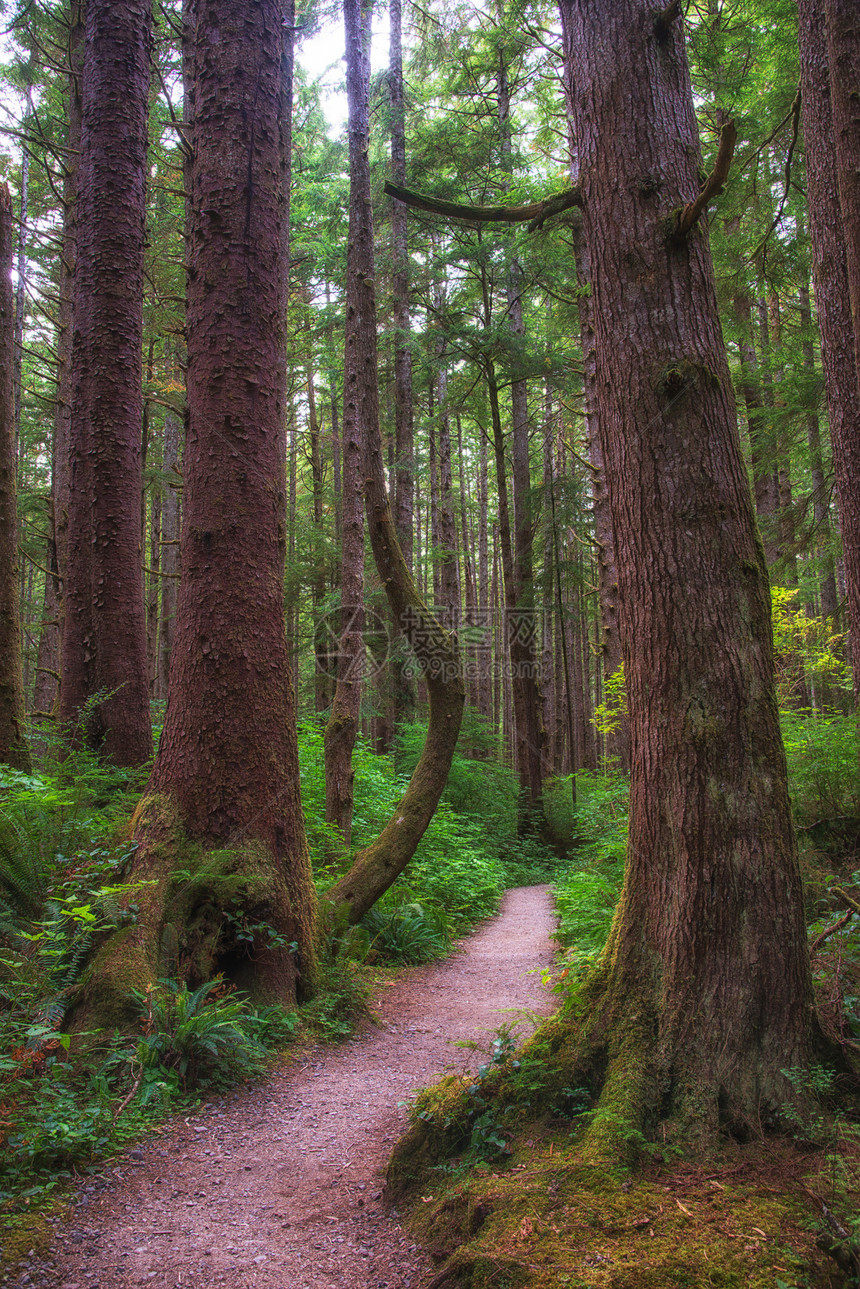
[534, 214]
[830, 930]
[846, 899]
[715, 181]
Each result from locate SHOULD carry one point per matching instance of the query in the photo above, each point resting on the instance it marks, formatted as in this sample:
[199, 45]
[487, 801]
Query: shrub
[207, 1034]
[586, 894]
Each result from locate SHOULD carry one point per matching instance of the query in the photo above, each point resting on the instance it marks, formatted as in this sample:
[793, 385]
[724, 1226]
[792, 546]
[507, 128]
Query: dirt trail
[279, 1186]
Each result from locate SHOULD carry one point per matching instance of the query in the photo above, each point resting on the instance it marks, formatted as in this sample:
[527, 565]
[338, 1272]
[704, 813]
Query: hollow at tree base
[200, 913]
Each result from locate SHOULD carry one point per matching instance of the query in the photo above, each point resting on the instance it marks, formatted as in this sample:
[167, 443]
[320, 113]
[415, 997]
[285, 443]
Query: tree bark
[404, 446]
[702, 998]
[762, 456]
[226, 774]
[618, 743]
[104, 676]
[379, 864]
[14, 749]
[50, 645]
[820, 500]
[342, 727]
[832, 299]
[843, 51]
[170, 530]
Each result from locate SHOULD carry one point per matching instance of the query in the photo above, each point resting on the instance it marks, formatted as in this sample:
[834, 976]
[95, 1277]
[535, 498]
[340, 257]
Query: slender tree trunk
[434, 540]
[21, 292]
[449, 571]
[702, 998]
[153, 588]
[379, 864]
[521, 662]
[470, 595]
[785, 505]
[47, 677]
[169, 552]
[832, 299]
[322, 676]
[820, 502]
[485, 609]
[343, 723]
[404, 448]
[765, 487]
[104, 674]
[14, 749]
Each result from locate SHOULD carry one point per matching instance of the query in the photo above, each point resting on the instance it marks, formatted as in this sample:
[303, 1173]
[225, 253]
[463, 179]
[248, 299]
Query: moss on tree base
[546, 1216]
[200, 913]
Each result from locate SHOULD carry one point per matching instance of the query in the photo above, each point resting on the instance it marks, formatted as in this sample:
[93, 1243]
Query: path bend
[279, 1186]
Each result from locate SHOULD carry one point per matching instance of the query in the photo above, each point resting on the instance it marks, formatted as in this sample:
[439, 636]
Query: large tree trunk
[618, 743]
[50, 643]
[14, 749]
[379, 865]
[227, 774]
[702, 998]
[832, 299]
[843, 51]
[104, 676]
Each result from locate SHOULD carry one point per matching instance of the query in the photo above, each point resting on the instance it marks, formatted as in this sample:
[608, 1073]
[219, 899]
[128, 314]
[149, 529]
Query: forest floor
[280, 1185]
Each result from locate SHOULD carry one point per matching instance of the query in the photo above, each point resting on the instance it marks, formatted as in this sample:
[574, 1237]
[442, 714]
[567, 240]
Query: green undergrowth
[497, 1170]
[469, 855]
[70, 1101]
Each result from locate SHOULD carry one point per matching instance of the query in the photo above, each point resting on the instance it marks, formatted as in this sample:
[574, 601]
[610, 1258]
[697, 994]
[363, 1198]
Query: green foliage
[806, 649]
[484, 792]
[822, 765]
[457, 875]
[609, 714]
[407, 932]
[586, 894]
[474, 1115]
[207, 1034]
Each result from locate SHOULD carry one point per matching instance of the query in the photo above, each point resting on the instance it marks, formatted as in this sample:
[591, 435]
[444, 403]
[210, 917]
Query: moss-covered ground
[541, 1217]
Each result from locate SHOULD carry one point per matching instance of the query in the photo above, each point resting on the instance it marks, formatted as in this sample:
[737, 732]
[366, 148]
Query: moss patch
[28, 1235]
[548, 1218]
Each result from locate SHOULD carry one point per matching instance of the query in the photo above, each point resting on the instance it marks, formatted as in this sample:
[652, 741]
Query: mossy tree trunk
[222, 805]
[702, 998]
[379, 864]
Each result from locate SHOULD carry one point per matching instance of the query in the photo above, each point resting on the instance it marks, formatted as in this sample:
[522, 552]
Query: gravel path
[280, 1186]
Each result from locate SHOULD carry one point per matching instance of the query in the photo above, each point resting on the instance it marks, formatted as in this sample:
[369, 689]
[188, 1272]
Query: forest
[396, 511]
